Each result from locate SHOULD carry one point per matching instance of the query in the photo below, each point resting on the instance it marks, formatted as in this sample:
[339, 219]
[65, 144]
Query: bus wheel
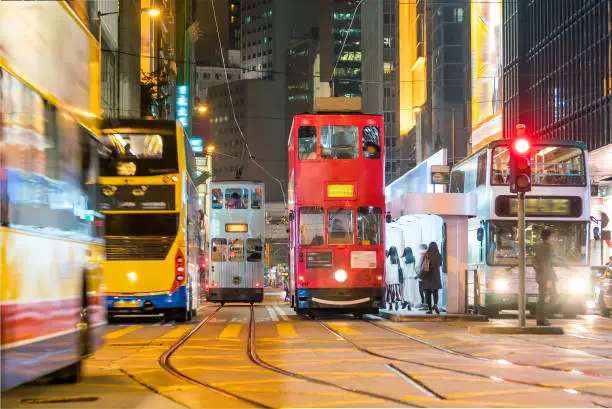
[183, 315]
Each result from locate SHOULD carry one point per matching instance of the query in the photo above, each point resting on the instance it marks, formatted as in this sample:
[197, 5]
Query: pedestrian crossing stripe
[343, 329]
[177, 332]
[231, 331]
[285, 330]
[407, 330]
[121, 332]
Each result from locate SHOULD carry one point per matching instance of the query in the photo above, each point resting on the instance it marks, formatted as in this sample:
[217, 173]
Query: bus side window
[370, 138]
[481, 171]
[307, 142]
[256, 198]
[217, 198]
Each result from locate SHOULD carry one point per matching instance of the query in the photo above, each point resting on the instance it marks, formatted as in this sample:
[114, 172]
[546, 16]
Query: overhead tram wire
[245, 147]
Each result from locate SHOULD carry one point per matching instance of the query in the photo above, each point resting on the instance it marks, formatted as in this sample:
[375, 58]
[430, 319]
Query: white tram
[236, 226]
[559, 201]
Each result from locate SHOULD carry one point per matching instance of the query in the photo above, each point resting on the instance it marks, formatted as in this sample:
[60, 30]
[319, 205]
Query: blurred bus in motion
[51, 241]
[236, 225]
[559, 201]
[336, 210]
[152, 220]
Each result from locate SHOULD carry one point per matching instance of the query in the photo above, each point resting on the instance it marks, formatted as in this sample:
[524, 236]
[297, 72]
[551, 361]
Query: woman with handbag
[430, 274]
[410, 289]
[393, 272]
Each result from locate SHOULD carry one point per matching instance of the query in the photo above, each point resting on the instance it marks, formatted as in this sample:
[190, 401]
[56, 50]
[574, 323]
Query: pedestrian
[286, 285]
[392, 279]
[545, 277]
[410, 287]
[429, 272]
[422, 252]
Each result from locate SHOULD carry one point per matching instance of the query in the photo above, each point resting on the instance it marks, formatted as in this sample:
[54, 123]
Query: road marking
[272, 313]
[231, 331]
[407, 330]
[344, 329]
[285, 330]
[122, 332]
[281, 313]
[177, 332]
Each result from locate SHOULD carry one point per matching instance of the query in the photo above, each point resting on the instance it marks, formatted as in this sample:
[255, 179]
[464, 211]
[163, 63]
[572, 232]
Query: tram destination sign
[440, 175]
[540, 206]
[319, 259]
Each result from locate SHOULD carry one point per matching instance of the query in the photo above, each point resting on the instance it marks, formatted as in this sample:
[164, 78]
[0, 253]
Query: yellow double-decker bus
[51, 242]
[152, 222]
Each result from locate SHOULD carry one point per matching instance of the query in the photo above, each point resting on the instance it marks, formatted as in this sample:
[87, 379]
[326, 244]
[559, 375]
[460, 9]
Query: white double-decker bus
[559, 201]
[236, 226]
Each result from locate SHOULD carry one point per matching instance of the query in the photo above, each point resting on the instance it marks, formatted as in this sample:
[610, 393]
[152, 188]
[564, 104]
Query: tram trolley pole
[521, 258]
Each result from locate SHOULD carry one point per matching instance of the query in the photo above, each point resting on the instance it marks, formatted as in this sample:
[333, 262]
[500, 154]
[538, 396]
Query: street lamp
[210, 149]
[202, 109]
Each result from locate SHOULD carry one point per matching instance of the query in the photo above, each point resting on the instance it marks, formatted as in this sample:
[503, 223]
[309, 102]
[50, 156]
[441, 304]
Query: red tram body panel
[336, 212]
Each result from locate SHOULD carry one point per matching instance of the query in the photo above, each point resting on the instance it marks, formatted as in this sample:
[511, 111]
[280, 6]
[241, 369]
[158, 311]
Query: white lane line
[272, 313]
[281, 313]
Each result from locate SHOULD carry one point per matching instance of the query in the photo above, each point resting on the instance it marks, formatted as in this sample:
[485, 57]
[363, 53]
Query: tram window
[256, 198]
[312, 226]
[237, 198]
[219, 250]
[481, 170]
[236, 250]
[550, 166]
[370, 138]
[217, 198]
[340, 226]
[254, 250]
[307, 142]
[339, 142]
[369, 225]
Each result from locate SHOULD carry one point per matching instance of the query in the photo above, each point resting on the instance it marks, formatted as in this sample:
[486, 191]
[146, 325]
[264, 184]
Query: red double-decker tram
[336, 212]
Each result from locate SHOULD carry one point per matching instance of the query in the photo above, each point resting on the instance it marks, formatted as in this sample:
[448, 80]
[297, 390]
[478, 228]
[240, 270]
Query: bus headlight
[340, 276]
[501, 284]
[578, 286]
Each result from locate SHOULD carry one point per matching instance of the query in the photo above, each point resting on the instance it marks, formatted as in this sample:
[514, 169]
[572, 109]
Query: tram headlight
[578, 285]
[501, 284]
[340, 276]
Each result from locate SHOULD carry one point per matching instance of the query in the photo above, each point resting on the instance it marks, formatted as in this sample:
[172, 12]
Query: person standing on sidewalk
[545, 276]
[430, 274]
[393, 294]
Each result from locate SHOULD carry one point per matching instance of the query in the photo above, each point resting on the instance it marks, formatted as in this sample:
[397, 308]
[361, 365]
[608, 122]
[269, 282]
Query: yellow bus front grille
[136, 248]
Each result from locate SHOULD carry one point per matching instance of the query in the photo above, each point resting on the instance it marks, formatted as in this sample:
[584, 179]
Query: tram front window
[569, 242]
[340, 226]
[236, 250]
[312, 226]
[551, 166]
[369, 224]
[339, 142]
[219, 250]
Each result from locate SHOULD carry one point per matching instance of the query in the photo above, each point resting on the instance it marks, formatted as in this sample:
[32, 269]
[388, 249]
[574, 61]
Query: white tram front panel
[236, 223]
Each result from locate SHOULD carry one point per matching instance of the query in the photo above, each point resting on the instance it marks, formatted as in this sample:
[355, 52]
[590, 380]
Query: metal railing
[474, 309]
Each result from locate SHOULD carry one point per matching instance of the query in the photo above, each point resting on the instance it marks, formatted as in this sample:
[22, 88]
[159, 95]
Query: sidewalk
[404, 315]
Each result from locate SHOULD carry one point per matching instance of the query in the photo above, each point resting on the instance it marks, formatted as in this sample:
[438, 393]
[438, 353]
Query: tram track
[252, 353]
[430, 391]
[491, 360]
[164, 362]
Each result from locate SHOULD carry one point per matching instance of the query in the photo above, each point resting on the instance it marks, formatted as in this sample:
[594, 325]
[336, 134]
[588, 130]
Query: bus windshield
[569, 241]
[339, 142]
[140, 155]
[550, 165]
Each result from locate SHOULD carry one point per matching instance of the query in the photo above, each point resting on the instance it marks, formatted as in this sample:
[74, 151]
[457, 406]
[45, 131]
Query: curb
[506, 330]
[433, 318]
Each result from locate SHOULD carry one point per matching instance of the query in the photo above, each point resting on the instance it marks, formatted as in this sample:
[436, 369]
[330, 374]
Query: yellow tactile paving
[121, 332]
[231, 331]
[344, 329]
[177, 332]
[285, 330]
[407, 330]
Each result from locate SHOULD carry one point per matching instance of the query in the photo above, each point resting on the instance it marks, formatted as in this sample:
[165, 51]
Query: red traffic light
[521, 145]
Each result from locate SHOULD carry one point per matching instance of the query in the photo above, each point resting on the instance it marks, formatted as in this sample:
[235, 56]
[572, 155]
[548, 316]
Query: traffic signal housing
[520, 163]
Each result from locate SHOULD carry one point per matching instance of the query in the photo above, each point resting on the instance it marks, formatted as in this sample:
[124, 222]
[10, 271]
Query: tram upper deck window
[219, 250]
[340, 226]
[339, 142]
[237, 198]
[370, 138]
[550, 166]
[254, 250]
[256, 198]
[307, 142]
[217, 198]
[369, 225]
[312, 226]
[236, 250]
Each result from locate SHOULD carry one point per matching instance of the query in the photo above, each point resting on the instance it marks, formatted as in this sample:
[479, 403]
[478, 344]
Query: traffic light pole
[521, 258]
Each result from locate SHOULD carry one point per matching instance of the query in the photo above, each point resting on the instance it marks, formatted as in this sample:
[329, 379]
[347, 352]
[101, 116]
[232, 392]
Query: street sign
[440, 175]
